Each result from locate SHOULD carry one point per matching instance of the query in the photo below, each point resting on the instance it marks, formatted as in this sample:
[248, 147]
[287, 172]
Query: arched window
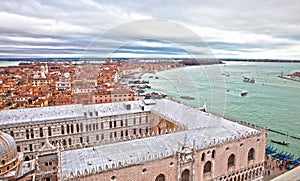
[160, 177]
[203, 157]
[207, 167]
[185, 176]
[251, 154]
[213, 154]
[231, 160]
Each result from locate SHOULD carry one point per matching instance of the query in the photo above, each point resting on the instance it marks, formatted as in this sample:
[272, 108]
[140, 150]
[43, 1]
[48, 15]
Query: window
[87, 139]
[49, 131]
[96, 113]
[18, 149]
[231, 160]
[27, 133]
[77, 128]
[102, 136]
[121, 123]
[41, 132]
[213, 154]
[203, 157]
[160, 177]
[72, 128]
[126, 133]
[134, 131]
[207, 167]
[102, 126]
[81, 127]
[32, 133]
[81, 140]
[146, 119]
[115, 124]
[68, 129]
[110, 124]
[97, 137]
[140, 120]
[185, 176]
[62, 128]
[251, 154]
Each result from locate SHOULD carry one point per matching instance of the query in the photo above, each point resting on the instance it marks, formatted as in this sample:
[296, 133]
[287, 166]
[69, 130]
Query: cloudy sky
[168, 28]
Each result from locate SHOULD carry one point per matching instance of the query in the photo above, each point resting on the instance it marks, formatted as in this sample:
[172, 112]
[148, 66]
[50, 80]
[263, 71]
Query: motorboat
[250, 80]
[243, 93]
[187, 97]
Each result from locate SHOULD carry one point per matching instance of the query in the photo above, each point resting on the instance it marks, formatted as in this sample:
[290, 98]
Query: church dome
[8, 149]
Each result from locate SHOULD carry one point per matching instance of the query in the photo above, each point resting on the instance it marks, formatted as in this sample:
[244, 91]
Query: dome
[8, 149]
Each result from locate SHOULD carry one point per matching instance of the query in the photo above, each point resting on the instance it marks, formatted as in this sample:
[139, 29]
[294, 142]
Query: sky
[254, 29]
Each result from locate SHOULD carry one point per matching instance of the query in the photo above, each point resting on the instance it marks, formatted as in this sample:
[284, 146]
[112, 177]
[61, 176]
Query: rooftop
[26, 115]
[203, 130]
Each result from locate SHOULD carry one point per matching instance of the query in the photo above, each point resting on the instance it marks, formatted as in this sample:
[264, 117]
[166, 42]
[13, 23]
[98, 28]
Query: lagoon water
[271, 101]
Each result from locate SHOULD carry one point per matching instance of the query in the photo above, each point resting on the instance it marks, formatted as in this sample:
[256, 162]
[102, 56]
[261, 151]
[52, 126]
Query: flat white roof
[203, 129]
[29, 115]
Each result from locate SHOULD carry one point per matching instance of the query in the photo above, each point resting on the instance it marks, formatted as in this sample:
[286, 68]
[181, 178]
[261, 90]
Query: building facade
[136, 140]
[74, 126]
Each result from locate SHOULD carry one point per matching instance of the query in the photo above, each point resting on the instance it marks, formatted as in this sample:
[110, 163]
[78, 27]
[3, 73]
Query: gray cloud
[56, 28]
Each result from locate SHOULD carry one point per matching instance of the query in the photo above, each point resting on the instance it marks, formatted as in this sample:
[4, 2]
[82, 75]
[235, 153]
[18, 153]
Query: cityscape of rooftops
[150, 90]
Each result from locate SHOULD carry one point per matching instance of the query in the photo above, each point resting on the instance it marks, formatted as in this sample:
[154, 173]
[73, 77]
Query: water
[9, 63]
[271, 101]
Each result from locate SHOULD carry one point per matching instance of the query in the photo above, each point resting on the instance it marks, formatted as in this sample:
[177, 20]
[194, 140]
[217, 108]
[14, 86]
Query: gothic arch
[207, 167]
[160, 177]
[185, 176]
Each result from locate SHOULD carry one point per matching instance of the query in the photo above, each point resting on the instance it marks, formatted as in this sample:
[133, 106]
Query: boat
[155, 95]
[187, 97]
[250, 80]
[226, 74]
[280, 142]
[140, 91]
[243, 93]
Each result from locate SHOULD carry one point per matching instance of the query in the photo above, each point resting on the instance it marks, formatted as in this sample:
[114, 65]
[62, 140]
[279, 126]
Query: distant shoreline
[261, 60]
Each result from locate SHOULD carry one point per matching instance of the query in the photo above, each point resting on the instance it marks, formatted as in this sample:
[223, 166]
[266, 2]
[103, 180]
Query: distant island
[295, 76]
[262, 60]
